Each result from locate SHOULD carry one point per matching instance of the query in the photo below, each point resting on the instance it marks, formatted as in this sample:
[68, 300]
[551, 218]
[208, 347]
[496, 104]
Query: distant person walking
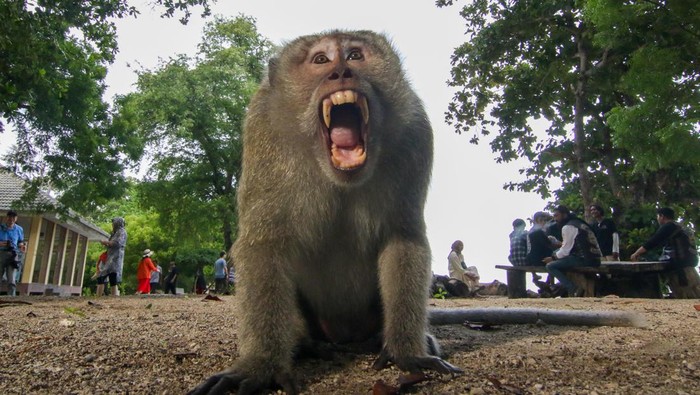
[143, 272]
[171, 279]
[115, 254]
[220, 273]
[155, 278]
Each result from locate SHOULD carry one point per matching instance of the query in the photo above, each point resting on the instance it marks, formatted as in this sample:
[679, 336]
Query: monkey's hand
[416, 364]
[247, 379]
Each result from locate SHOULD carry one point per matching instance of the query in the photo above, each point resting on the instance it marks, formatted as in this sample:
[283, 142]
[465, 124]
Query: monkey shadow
[324, 358]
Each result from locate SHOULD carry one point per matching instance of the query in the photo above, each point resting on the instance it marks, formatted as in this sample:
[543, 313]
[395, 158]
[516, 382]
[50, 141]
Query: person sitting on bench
[579, 248]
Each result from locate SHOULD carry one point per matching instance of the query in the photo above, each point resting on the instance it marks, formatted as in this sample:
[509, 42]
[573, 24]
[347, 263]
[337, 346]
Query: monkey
[332, 245]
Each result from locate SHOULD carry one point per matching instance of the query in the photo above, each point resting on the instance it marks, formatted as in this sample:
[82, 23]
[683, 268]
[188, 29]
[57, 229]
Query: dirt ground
[167, 345]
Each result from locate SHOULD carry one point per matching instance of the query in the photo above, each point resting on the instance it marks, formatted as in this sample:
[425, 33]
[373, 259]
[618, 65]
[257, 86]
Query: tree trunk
[579, 132]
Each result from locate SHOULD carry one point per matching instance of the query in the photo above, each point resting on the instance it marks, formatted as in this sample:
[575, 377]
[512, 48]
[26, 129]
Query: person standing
[155, 278]
[101, 280]
[115, 254]
[518, 244]
[11, 247]
[143, 272]
[606, 234]
[220, 273]
[171, 279]
[678, 248]
[579, 248]
[459, 270]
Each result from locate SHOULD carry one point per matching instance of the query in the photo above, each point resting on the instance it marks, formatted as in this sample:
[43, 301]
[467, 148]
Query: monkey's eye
[320, 58]
[355, 54]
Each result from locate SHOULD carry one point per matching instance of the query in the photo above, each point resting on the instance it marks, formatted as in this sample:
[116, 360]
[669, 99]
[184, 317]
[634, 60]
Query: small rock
[90, 358]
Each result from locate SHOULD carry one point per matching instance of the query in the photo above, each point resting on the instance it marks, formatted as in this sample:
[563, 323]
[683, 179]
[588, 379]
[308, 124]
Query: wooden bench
[636, 279]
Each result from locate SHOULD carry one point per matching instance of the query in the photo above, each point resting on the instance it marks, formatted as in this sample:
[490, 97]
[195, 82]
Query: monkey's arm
[499, 315]
[403, 275]
[270, 324]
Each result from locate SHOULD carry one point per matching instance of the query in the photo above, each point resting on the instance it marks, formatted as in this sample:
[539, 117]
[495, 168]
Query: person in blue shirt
[220, 273]
[11, 246]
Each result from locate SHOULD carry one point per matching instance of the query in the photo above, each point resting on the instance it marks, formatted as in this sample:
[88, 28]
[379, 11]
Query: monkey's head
[341, 98]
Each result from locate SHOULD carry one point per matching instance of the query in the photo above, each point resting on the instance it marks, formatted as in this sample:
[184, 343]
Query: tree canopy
[189, 112]
[614, 83]
[54, 61]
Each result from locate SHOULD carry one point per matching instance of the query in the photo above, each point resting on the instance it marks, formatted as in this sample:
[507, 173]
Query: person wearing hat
[143, 272]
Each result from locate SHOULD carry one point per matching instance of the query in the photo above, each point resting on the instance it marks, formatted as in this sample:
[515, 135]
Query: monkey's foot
[229, 380]
[416, 364]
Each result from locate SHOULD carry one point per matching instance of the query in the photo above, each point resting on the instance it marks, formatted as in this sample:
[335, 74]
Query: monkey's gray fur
[331, 241]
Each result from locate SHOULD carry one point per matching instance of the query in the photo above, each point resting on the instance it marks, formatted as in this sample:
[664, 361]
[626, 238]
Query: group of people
[224, 277]
[562, 241]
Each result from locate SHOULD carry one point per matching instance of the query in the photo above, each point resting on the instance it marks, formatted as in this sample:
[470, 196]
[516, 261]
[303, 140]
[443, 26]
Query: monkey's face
[338, 85]
[336, 67]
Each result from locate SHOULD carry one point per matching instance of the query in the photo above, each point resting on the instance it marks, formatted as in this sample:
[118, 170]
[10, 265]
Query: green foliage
[54, 61]
[440, 294]
[144, 231]
[189, 112]
[615, 83]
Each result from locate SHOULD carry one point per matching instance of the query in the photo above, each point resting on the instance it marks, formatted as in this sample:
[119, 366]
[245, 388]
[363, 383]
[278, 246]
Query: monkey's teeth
[327, 104]
[344, 97]
[364, 109]
[342, 162]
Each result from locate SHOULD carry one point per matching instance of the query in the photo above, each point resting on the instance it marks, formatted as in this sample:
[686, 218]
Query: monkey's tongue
[347, 151]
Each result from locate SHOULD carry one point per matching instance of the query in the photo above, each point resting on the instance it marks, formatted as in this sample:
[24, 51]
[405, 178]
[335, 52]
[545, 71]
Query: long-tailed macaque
[332, 245]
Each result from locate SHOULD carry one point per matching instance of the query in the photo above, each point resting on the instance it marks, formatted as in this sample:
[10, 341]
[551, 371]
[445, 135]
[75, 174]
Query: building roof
[12, 189]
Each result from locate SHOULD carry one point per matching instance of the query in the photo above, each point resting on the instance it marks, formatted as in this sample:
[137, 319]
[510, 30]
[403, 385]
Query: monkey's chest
[341, 301]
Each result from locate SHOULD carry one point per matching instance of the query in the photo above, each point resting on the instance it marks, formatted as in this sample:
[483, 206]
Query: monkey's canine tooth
[364, 109]
[344, 97]
[327, 104]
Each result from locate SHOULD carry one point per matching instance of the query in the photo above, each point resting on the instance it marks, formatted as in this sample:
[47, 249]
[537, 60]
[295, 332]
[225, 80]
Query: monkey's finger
[206, 386]
[439, 365]
[382, 360]
[287, 383]
[226, 384]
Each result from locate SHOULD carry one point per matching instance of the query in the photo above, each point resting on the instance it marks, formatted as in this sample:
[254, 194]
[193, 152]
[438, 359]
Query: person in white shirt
[579, 248]
[459, 270]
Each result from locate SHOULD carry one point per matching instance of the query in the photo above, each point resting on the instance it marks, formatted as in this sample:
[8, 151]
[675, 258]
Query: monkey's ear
[272, 70]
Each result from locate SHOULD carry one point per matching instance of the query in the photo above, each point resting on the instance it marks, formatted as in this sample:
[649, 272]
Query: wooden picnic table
[623, 278]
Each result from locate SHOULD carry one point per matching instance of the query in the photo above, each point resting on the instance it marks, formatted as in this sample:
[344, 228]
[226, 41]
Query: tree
[54, 61]
[145, 231]
[579, 67]
[190, 112]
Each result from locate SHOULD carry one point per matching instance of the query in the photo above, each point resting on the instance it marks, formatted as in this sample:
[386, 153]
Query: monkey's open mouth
[345, 116]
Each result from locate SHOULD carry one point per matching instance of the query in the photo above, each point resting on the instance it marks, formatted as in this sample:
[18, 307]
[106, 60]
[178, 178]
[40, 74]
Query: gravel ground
[167, 345]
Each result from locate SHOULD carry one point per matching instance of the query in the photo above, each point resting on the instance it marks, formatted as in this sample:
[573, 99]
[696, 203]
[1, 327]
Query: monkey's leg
[404, 272]
[270, 327]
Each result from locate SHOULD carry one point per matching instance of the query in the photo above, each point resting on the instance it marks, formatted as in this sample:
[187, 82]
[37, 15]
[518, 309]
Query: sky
[466, 200]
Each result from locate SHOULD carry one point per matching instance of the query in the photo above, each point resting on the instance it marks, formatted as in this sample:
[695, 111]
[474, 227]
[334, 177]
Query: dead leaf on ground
[408, 380]
[382, 388]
